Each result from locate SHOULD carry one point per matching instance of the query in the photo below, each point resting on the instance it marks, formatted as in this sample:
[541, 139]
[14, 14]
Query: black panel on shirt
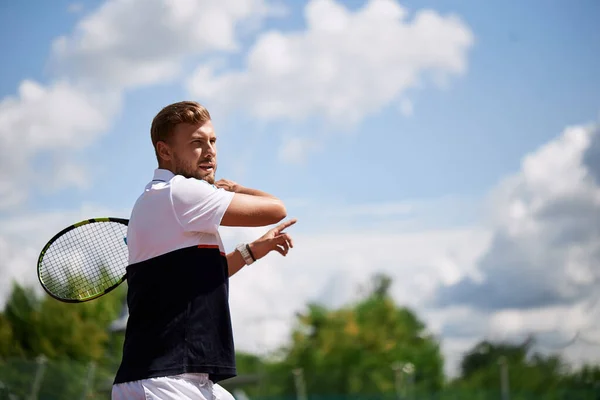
[179, 318]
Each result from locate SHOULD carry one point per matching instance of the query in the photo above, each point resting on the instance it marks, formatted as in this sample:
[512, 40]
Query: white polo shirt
[178, 285]
[173, 213]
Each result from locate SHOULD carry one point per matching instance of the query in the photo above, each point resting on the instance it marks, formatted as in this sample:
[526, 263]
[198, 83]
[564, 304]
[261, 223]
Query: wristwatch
[244, 250]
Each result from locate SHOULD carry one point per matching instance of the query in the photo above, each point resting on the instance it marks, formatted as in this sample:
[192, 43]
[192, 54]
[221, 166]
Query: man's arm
[274, 239]
[235, 262]
[201, 207]
[256, 192]
[231, 186]
[251, 207]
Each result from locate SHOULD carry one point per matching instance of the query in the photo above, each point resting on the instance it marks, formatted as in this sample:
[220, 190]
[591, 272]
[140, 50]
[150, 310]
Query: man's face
[194, 152]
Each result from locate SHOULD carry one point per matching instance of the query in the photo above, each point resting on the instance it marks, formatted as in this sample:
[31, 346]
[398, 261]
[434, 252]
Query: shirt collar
[162, 175]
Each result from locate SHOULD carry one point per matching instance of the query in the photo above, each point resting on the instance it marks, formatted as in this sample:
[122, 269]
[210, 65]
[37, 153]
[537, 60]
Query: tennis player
[178, 339]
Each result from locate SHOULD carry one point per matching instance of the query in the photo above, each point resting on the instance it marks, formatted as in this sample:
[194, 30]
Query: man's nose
[211, 151]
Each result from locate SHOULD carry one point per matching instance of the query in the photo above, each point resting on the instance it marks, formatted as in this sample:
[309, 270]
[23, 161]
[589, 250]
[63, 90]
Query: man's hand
[231, 186]
[274, 239]
[228, 185]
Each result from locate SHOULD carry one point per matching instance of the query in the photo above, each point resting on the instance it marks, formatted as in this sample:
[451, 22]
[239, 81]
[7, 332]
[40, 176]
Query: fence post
[39, 375]
[397, 368]
[300, 384]
[504, 385]
[89, 379]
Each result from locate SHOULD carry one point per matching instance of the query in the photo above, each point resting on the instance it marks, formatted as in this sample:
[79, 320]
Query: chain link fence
[42, 379]
[23, 379]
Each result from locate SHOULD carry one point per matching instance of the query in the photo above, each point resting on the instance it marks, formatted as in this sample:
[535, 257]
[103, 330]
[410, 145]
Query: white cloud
[345, 66]
[295, 150]
[115, 46]
[17, 265]
[112, 48]
[545, 220]
[128, 43]
[515, 322]
[68, 173]
[539, 274]
[48, 121]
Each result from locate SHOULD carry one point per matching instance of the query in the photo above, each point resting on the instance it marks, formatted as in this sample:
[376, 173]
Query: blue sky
[530, 72]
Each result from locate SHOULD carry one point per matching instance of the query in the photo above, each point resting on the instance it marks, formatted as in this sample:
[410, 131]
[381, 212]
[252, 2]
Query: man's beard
[190, 171]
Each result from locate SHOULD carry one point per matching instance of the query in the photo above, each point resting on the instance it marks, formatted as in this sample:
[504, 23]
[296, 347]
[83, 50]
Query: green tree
[69, 336]
[352, 350]
[530, 374]
[7, 348]
[19, 316]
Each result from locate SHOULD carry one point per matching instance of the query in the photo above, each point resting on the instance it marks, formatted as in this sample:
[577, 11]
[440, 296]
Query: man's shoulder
[182, 180]
[191, 188]
[154, 191]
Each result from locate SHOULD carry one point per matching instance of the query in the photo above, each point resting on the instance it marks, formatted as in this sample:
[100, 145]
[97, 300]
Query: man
[178, 340]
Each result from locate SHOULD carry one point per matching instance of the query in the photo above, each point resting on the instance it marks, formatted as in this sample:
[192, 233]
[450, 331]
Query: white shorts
[178, 387]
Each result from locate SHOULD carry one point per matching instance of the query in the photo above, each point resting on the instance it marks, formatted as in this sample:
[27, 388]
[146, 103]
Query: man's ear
[164, 151]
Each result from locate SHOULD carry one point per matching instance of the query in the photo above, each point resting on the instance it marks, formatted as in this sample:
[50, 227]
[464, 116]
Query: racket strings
[85, 261]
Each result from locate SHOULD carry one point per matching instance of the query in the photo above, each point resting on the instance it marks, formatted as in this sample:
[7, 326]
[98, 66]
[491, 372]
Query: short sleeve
[198, 205]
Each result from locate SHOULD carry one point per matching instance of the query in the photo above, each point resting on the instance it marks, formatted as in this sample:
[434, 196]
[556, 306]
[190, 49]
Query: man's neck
[166, 168]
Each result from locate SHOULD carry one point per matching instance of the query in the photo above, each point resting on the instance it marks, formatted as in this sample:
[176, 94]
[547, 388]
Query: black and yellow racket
[85, 260]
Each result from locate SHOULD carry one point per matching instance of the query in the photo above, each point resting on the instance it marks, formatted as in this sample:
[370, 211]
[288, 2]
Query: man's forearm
[237, 188]
[235, 262]
[255, 192]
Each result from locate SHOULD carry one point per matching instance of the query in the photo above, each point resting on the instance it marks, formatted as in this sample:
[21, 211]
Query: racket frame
[69, 228]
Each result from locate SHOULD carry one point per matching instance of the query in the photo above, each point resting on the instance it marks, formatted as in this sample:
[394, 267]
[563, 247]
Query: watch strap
[243, 250]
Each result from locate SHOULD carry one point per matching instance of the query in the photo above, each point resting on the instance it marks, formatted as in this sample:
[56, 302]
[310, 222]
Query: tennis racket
[85, 260]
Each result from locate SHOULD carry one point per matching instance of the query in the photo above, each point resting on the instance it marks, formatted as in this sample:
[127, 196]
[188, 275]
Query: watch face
[245, 255]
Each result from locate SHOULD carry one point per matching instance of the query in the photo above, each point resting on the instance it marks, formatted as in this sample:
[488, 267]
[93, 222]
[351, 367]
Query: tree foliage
[352, 350]
[529, 373]
[69, 337]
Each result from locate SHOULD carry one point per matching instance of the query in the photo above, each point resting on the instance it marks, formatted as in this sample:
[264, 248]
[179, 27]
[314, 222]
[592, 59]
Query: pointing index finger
[286, 224]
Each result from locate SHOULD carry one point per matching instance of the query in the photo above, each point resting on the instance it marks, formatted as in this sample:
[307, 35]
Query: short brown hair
[183, 112]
